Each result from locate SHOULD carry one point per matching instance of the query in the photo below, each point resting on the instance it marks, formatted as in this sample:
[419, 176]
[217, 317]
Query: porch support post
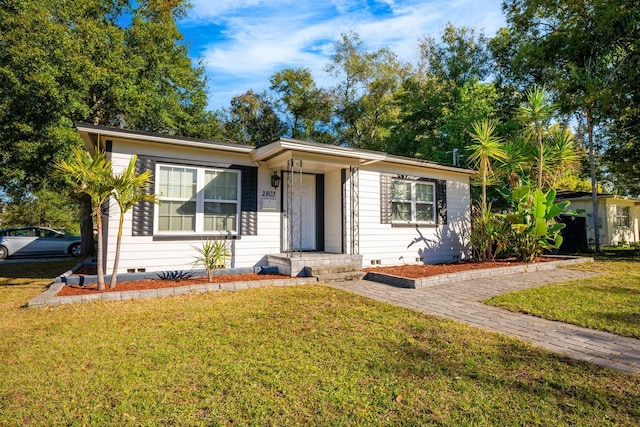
[355, 209]
[345, 211]
[294, 206]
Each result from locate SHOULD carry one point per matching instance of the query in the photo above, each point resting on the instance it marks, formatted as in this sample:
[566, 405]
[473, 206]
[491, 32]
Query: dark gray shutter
[249, 202]
[385, 199]
[441, 201]
[142, 223]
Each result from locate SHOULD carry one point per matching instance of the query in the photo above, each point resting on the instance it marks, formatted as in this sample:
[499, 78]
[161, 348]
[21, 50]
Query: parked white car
[28, 241]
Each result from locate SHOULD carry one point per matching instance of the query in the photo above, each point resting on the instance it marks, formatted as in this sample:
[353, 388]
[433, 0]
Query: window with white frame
[197, 200]
[623, 216]
[412, 201]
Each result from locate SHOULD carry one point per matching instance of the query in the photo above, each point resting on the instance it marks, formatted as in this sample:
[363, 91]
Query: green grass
[310, 355]
[22, 281]
[610, 302]
[619, 252]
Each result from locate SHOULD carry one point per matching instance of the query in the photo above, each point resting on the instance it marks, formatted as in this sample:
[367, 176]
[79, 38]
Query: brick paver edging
[49, 297]
[404, 282]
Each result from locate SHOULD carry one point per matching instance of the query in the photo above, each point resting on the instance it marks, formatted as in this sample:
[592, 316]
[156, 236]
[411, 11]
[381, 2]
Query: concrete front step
[340, 277]
[327, 269]
[297, 264]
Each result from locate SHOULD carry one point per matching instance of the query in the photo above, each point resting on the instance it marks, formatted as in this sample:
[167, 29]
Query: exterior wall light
[275, 180]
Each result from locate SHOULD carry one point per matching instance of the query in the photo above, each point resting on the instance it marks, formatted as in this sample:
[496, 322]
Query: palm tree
[92, 176]
[485, 148]
[561, 156]
[536, 113]
[129, 188]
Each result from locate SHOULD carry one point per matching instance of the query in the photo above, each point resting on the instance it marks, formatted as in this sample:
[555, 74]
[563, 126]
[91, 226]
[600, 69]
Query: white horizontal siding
[123, 147]
[395, 245]
[392, 245]
[142, 252]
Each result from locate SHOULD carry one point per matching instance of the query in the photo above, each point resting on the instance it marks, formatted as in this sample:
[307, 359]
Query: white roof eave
[424, 163]
[163, 139]
[268, 151]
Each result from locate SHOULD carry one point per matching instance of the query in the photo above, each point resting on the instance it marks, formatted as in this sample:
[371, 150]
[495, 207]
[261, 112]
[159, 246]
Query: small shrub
[489, 236]
[174, 275]
[214, 255]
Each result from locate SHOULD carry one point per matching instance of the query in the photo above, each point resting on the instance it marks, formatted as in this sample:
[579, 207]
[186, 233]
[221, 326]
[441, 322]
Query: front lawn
[305, 355]
[20, 282]
[609, 303]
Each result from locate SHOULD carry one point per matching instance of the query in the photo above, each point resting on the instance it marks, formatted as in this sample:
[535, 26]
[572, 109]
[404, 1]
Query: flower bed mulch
[412, 271]
[159, 283]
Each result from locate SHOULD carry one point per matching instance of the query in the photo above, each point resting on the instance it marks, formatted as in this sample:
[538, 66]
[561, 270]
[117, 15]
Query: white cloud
[204, 9]
[257, 37]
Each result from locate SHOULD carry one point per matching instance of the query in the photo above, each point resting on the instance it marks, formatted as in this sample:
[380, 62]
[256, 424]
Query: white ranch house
[618, 216]
[284, 203]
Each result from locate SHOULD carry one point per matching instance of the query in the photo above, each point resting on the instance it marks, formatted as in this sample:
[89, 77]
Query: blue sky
[244, 42]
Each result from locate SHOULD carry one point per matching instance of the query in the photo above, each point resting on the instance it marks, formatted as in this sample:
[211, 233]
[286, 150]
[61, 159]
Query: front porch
[306, 264]
[318, 198]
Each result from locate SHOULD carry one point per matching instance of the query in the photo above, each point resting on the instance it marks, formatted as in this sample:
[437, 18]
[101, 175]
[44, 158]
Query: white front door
[303, 213]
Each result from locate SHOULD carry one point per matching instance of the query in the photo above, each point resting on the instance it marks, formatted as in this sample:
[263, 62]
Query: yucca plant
[536, 113]
[485, 149]
[214, 255]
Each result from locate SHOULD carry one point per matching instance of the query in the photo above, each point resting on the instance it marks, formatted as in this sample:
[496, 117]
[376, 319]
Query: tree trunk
[540, 158]
[87, 242]
[484, 192]
[114, 273]
[594, 179]
[99, 255]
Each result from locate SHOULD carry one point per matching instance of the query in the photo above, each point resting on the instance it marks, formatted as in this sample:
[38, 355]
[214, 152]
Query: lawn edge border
[423, 282]
[49, 298]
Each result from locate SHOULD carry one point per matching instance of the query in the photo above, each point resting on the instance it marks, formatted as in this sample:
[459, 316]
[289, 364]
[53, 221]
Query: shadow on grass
[618, 254]
[515, 369]
[25, 273]
[624, 318]
[616, 290]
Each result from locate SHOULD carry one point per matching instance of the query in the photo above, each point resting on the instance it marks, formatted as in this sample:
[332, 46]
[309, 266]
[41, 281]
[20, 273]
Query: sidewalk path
[461, 301]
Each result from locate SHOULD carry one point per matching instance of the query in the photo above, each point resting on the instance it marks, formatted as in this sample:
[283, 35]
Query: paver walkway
[461, 301]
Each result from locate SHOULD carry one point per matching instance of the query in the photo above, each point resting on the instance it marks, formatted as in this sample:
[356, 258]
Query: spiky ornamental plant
[214, 255]
[486, 147]
[535, 113]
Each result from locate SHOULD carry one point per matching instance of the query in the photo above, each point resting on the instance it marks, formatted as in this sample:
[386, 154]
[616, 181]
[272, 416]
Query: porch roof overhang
[94, 136]
[324, 157]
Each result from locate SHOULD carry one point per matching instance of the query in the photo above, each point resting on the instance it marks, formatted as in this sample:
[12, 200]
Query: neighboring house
[617, 216]
[288, 198]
